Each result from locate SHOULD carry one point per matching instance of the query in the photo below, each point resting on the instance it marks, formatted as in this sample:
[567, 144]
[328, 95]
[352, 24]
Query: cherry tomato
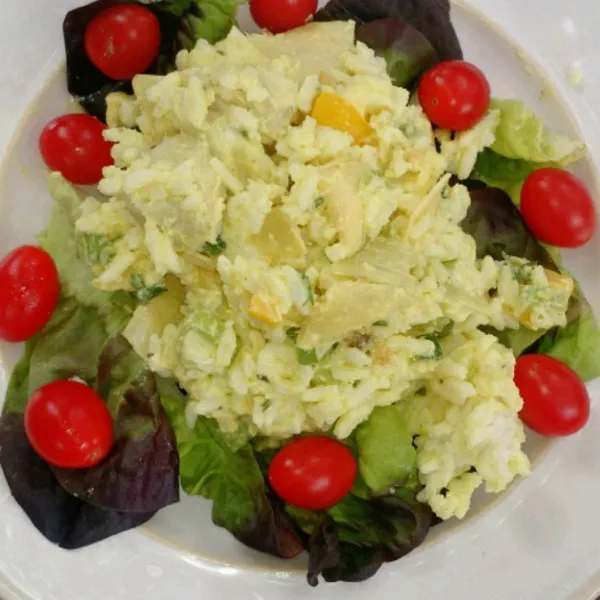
[123, 40]
[555, 400]
[558, 208]
[73, 145]
[29, 292]
[313, 473]
[454, 95]
[282, 15]
[69, 425]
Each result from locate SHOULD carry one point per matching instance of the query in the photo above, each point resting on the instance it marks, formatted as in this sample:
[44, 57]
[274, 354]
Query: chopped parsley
[144, 293]
[217, 248]
[435, 338]
[381, 323]
[309, 288]
[307, 357]
[292, 333]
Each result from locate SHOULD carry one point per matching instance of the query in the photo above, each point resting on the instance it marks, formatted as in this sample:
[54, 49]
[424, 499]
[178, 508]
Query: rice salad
[294, 222]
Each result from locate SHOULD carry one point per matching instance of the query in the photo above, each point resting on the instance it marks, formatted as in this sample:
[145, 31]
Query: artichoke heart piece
[313, 48]
[280, 241]
[347, 307]
[383, 261]
[152, 318]
[345, 207]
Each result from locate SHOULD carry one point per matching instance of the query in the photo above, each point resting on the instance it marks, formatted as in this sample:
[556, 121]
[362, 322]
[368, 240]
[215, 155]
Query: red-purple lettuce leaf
[430, 17]
[141, 473]
[182, 23]
[406, 50]
[499, 229]
[242, 501]
[356, 537]
[57, 515]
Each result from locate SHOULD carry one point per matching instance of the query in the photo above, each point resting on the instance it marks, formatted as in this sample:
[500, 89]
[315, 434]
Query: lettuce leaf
[498, 229]
[507, 174]
[407, 52]
[387, 456]
[356, 537]
[209, 20]
[577, 345]
[140, 475]
[69, 346]
[182, 23]
[429, 17]
[232, 479]
[59, 516]
[521, 135]
[60, 241]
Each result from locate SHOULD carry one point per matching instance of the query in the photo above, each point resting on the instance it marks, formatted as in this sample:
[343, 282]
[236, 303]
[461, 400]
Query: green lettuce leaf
[507, 174]
[232, 479]
[521, 135]
[577, 345]
[209, 20]
[61, 242]
[386, 454]
[69, 346]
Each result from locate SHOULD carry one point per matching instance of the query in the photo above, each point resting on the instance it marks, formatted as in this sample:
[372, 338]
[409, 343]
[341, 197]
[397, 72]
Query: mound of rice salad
[303, 220]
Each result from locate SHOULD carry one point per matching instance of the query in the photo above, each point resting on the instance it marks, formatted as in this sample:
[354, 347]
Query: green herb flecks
[144, 293]
[309, 287]
[217, 248]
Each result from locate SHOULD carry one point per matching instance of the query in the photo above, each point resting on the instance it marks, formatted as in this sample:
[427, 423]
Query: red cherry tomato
[73, 145]
[69, 425]
[313, 473]
[29, 292]
[558, 208]
[555, 400]
[282, 15]
[123, 40]
[454, 95]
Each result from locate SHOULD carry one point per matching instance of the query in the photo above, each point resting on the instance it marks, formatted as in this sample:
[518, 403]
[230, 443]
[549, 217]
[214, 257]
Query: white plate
[538, 541]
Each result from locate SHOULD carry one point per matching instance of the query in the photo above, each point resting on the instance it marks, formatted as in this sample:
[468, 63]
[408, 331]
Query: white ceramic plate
[538, 541]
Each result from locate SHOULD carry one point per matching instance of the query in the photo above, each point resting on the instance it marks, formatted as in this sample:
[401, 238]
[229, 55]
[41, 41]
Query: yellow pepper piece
[559, 282]
[264, 308]
[330, 110]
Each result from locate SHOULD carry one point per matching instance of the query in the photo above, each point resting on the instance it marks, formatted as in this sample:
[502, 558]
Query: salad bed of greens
[155, 451]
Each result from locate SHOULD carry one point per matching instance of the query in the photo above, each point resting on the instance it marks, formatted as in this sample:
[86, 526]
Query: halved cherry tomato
[454, 95]
[313, 473]
[555, 400]
[558, 208]
[29, 292]
[123, 40]
[278, 16]
[74, 146]
[69, 425]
